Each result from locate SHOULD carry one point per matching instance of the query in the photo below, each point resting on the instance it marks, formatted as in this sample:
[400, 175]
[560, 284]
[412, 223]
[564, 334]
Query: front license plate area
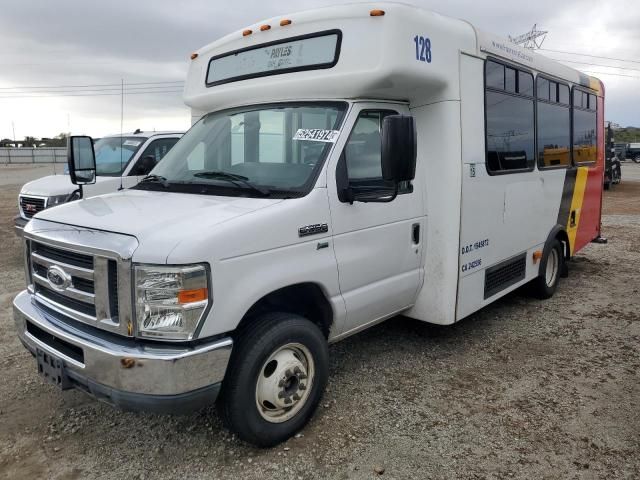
[51, 369]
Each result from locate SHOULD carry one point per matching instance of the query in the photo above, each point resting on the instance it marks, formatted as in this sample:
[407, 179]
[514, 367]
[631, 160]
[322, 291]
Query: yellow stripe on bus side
[576, 204]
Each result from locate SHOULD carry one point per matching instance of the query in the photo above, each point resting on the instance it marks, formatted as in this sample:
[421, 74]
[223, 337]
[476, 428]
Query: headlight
[60, 199]
[170, 301]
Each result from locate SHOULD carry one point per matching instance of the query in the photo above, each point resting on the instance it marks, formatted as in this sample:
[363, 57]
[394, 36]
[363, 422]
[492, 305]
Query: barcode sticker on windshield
[131, 143]
[317, 135]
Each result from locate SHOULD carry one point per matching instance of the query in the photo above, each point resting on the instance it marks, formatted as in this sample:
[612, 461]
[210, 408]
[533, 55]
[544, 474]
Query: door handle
[415, 233]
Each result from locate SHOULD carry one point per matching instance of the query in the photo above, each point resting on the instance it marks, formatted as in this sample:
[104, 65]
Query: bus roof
[377, 57]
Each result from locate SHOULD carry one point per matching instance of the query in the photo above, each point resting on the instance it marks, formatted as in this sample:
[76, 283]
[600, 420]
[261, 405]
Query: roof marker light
[376, 13]
[246, 32]
[285, 22]
[265, 27]
[194, 56]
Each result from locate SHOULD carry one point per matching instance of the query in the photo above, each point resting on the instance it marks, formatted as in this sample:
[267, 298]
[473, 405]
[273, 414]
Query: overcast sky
[74, 43]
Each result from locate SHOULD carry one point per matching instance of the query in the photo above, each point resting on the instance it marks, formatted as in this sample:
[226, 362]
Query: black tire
[636, 159]
[541, 288]
[607, 185]
[253, 345]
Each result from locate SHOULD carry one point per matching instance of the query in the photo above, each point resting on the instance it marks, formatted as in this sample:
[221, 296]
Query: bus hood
[52, 185]
[159, 220]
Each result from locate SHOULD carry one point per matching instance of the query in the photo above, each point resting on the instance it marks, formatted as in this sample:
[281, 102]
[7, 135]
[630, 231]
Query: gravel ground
[522, 389]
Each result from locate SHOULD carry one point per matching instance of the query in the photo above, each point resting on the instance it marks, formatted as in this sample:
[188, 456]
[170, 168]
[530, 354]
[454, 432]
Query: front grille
[505, 274]
[63, 256]
[31, 205]
[75, 284]
[65, 301]
[113, 288]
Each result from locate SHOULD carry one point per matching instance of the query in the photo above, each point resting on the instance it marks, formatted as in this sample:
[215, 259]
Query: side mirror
[398, 148]
[145, 165]
[81, 159]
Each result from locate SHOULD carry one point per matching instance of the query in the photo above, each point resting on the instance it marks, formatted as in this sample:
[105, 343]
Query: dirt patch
[522, 389]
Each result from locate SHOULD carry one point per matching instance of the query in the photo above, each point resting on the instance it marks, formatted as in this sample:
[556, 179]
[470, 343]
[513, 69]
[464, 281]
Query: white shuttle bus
[345, 165]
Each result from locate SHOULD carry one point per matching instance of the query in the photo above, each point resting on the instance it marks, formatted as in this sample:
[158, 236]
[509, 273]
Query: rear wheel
[550, 270]
[636, 159]
[275, 380]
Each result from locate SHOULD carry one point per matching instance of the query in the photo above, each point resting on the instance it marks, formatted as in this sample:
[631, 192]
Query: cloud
[73, 42]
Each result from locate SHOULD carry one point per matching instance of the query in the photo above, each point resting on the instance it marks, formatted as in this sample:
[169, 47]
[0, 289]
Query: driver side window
[363, 153]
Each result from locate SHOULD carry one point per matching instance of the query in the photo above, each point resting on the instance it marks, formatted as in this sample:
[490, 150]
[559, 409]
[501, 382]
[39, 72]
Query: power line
[592, 56]
[596, 64]
[591, 72]
[91, 90]
[90, 94]
[89, 85]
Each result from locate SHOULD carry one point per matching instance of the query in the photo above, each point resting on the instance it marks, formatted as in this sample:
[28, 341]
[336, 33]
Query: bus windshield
[252, 151]
[113, 154]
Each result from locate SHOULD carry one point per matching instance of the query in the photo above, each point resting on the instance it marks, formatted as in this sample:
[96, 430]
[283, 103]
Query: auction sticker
[317, 135]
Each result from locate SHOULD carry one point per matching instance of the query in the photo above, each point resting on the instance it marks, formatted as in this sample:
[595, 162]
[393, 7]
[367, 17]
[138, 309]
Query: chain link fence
[33, 155]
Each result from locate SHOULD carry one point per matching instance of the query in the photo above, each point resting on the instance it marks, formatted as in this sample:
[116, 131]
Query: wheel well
[304, 299]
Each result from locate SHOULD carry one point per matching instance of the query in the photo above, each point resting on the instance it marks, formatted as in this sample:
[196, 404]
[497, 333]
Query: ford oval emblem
[58, 278]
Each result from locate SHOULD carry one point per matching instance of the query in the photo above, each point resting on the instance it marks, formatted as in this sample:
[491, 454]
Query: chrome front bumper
[121, 371]
[19, 224]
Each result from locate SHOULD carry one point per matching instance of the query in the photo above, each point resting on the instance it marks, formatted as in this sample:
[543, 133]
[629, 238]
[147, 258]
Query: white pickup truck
[121, 160]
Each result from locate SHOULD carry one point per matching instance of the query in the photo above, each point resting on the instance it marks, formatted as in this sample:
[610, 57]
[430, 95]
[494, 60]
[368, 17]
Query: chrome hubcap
[284, 382]
[553, 264]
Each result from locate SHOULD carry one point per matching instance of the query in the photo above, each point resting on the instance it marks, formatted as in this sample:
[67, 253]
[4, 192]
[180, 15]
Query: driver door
[378, 246]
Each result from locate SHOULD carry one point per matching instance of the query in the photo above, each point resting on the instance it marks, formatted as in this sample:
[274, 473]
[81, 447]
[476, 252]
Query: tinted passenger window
[543, 89]
[563, 94]
[554, 135]
[525, 83]
[495, 75]
[509, 122]
[584, 136]
[510, 140]
[584, 127]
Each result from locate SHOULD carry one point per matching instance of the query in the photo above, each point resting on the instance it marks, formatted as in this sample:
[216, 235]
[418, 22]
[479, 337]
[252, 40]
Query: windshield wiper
[155, 179]
[233, 178]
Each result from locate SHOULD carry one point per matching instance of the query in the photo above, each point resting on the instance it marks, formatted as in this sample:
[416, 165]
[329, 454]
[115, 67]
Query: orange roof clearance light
[190, 296]
[265, 27]
[376, 13]
[194, 56]
[246, 32]
[284, 22]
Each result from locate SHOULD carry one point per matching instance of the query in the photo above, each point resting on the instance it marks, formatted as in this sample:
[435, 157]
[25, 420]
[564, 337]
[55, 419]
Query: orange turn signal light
[246, 32]
[265, 27]
[285, 22]
[537, 255]
[194, 56]
[190, 296]
[376, 13]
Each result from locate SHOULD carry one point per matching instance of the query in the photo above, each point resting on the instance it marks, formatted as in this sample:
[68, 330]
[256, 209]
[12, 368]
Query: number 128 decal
[423, 48]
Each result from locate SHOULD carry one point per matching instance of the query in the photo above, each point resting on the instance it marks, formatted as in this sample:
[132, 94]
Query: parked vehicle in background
[620, 150]
[120, 160]
[612, 165]
[633, 152]
[348, 164]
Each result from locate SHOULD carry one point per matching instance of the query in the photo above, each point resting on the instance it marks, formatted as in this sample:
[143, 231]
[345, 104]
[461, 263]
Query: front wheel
[636, 159]
[550, 269]
[275, 380]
